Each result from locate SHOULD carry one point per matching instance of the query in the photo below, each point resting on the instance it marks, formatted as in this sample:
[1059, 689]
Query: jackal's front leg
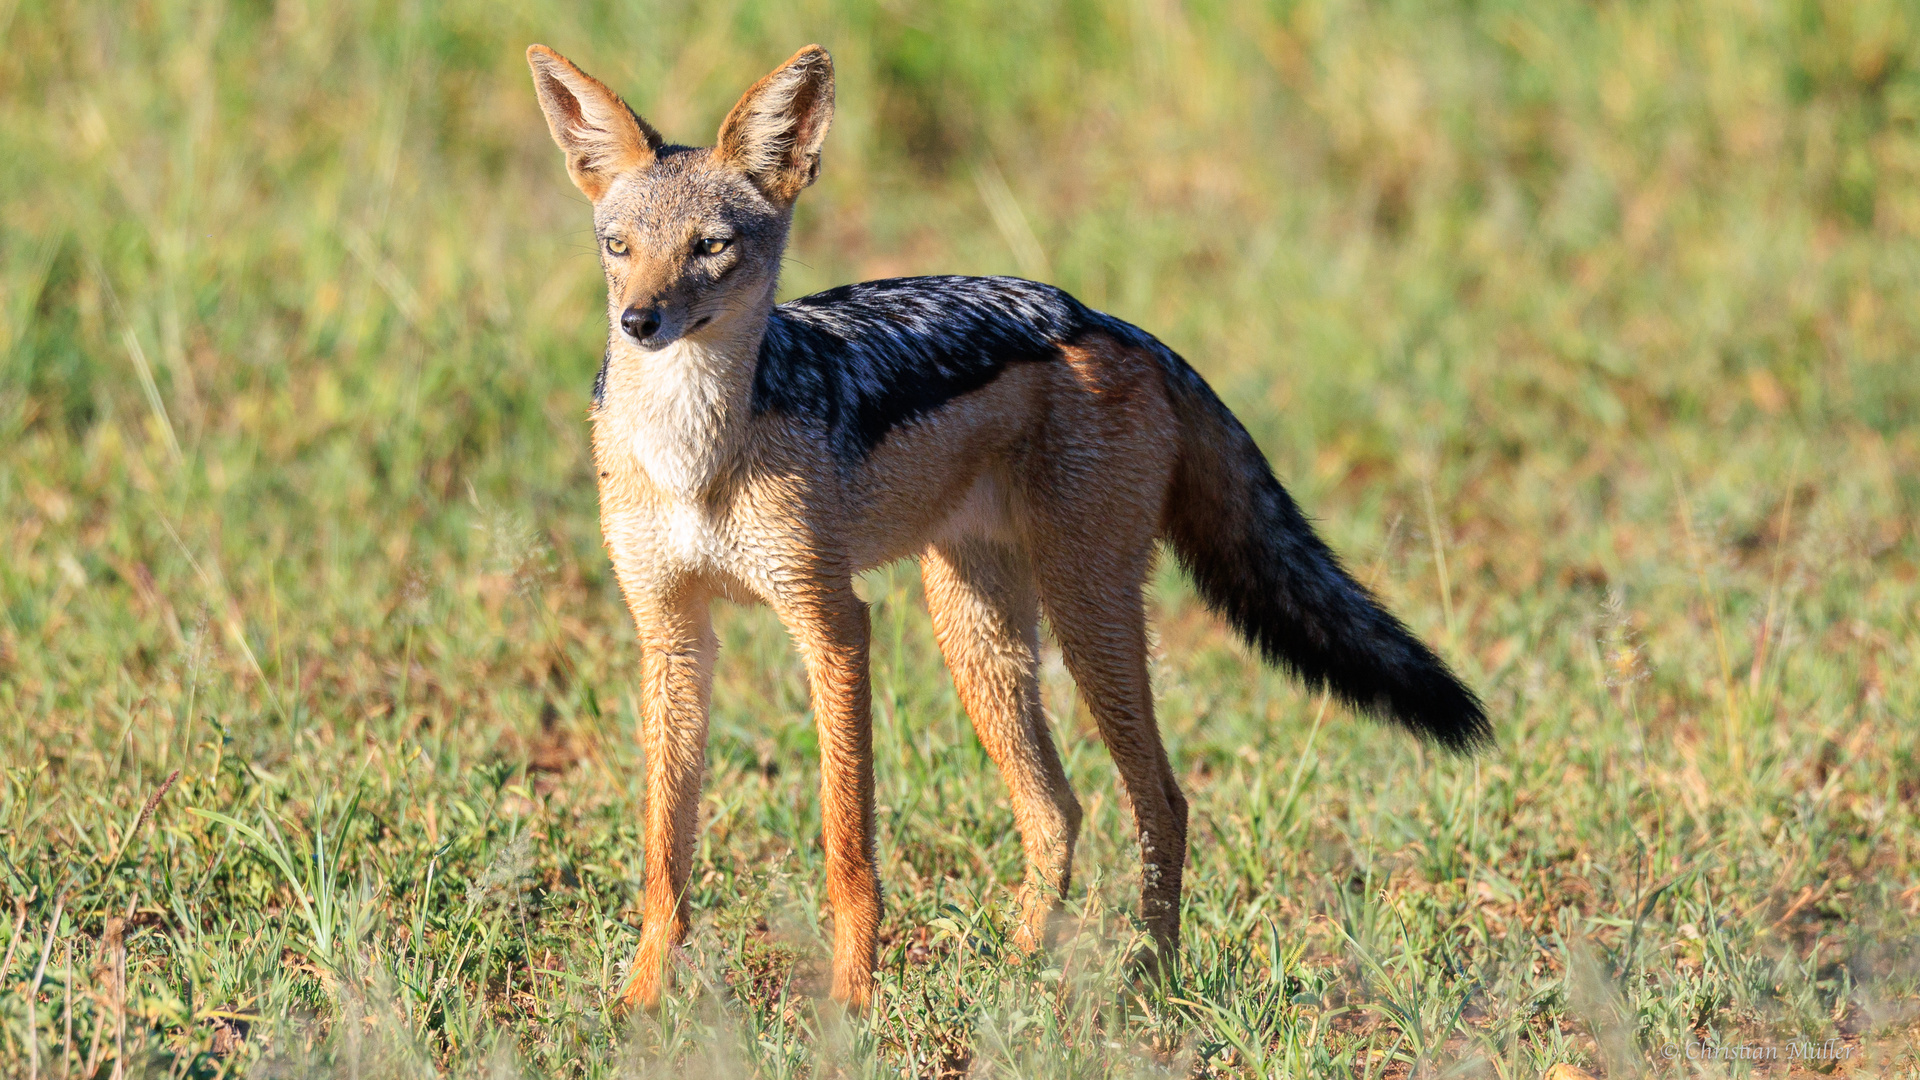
[831, 628]
[677, 647]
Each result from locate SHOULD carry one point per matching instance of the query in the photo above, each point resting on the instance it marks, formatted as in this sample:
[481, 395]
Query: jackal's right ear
[601, 137]
[774, 134]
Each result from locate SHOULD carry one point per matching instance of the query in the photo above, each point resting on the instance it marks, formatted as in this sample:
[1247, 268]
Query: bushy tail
[1257, 562]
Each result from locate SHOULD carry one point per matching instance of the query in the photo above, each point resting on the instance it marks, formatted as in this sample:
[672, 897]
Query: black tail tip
[1441, 710]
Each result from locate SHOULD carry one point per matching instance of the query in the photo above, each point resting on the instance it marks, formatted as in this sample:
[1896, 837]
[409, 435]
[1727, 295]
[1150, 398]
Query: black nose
[641, 323]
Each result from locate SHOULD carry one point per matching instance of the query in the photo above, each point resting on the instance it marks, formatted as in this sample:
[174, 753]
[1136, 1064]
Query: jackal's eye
[616, 246]
[712, 245]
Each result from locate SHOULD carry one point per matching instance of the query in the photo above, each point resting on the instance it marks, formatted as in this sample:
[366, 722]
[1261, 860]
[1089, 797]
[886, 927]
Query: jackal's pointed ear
[601, 137]
[774, 133]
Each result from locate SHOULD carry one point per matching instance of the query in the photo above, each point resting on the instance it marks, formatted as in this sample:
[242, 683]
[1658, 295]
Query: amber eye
[712, 245]
[616, 246]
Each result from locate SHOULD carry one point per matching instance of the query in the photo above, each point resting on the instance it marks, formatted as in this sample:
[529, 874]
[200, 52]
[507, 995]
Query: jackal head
[690, 237]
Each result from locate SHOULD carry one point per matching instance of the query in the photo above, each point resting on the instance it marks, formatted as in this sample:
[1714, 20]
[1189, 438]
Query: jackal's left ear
[600, 135]
[774, 133]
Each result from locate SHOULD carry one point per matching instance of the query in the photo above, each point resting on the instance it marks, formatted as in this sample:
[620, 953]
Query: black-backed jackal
[1027, 450]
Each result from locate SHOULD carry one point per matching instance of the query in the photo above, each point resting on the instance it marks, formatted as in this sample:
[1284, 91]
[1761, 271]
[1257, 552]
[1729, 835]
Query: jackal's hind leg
[1094, 605]
[986, 618]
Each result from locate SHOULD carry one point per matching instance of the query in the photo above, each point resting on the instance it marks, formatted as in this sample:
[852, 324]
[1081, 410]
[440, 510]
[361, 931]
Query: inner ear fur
[775, 132]
[600, 136]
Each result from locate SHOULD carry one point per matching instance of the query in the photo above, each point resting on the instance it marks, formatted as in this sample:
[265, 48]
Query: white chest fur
[677, 416]
[689, 536]
[680, 410]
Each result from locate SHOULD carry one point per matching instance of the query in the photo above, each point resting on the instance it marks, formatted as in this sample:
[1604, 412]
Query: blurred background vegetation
[1586, 329]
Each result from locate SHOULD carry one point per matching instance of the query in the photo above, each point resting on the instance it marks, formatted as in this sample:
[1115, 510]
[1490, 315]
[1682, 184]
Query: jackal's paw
[1154, 962]
[1042, 920]
[853, 987]
[647, 979]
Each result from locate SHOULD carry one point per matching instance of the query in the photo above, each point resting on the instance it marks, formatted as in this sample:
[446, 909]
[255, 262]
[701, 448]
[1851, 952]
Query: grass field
[1588, 331]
